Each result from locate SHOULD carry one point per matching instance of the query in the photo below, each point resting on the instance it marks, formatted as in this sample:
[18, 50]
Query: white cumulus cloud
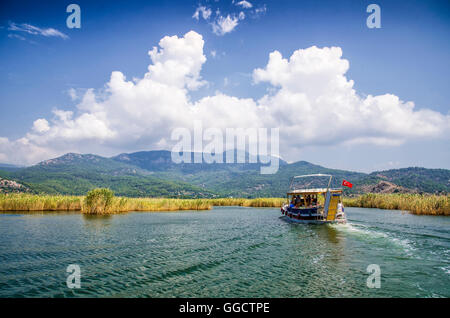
[318, 104]
[41, 125]
[313, 102]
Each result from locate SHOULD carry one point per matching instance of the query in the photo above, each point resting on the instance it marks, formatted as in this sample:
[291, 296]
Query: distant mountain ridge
[153, 173]
[75, 174]
[161, 160]
[78, 162]
[9, 167]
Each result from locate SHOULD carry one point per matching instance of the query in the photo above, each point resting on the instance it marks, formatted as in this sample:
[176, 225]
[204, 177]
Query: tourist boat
[312, 202]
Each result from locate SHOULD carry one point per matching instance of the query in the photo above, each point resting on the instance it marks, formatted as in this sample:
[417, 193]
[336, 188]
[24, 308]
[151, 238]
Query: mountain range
[153, 173]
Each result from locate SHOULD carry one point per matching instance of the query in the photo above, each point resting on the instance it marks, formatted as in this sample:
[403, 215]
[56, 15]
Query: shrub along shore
[103, 201]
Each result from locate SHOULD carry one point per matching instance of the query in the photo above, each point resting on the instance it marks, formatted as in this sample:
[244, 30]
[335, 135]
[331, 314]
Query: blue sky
[408, 57]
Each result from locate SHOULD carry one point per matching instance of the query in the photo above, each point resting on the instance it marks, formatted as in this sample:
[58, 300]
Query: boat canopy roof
[313, 191]
[312, 187]
[313, 175]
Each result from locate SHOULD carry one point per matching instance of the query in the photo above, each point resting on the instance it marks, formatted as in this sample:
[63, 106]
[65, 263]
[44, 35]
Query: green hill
[244, 180]
[76, 174]
[152, 173]
[420, 179]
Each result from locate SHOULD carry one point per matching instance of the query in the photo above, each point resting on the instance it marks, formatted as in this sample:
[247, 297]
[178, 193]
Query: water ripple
[226, 252]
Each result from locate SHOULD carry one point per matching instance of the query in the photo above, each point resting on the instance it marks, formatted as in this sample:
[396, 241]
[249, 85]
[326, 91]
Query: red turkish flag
[345, 183]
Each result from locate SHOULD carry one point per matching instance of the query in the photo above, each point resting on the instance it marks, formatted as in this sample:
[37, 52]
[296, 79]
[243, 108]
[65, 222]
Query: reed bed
[255, 203]
[160, 204]
[31, 202]
[414, 203]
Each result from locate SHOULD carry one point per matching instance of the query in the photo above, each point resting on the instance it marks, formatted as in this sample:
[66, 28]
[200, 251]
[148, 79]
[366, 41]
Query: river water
[225, 252]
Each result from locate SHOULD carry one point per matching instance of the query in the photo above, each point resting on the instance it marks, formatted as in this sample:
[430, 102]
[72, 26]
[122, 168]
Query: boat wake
[376, 237]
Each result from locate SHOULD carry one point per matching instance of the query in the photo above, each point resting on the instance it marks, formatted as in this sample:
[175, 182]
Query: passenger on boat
[292, 204]
[298, 201]
[314, 201]
[340, 210]
[308, 201]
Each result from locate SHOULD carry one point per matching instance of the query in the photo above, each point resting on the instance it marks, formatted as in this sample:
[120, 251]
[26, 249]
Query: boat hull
[306, 221]
[308, 218]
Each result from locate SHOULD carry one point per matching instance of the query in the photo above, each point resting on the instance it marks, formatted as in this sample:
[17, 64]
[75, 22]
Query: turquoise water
[225, 252]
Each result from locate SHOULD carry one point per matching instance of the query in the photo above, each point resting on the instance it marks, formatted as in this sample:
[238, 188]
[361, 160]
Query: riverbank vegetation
[254, 203]
[103, 201]
[97, 201]
[425, 204]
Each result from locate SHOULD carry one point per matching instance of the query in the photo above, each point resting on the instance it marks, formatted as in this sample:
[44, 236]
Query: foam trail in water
[446, 269]
[365, 233]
